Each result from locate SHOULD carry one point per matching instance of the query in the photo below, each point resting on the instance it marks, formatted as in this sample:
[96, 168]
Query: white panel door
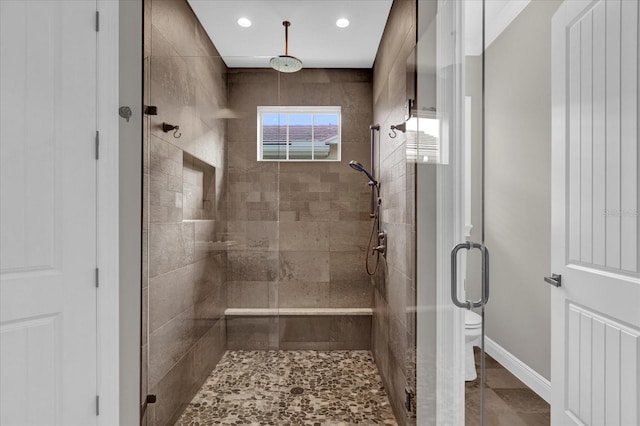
[595, 348]
[48, 212]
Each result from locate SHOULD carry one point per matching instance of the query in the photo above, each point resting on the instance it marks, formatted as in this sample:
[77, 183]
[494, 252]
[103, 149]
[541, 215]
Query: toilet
[472, 331]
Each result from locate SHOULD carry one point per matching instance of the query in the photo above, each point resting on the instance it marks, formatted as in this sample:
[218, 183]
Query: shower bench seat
[296, 311]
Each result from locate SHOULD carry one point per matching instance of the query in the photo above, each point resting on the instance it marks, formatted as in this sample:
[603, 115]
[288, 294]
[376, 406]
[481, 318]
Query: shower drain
[296, 390]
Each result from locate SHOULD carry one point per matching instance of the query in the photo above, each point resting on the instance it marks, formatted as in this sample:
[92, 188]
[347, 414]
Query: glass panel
[326, 137]
[524, 106]
[473, 157]
[299, 133]
[300, 136]
[274, 136]
[210, 220]
[444, 139]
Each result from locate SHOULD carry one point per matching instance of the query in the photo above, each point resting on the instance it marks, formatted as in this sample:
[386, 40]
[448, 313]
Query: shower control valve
[382, 243]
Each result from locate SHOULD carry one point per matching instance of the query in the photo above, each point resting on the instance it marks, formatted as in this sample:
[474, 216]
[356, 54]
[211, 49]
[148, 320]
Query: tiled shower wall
[184, 300]
[300, 229]
[394, 295]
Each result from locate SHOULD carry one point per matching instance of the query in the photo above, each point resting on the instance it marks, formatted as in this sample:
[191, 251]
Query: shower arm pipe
[373, 128]
[286, 24]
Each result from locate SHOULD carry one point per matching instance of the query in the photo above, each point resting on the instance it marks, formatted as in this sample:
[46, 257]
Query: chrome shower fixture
[359, 167]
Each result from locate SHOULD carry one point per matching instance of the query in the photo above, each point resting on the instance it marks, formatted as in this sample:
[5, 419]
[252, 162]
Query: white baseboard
[522, 371]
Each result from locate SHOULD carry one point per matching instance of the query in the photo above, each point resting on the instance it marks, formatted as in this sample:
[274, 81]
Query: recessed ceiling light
[342, 23]
[244, 22]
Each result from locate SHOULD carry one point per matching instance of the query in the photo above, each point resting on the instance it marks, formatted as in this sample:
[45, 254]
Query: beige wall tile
[169, 344]
[172, 293]
[173, 392]
[253, 235]
[351, 332]
[304, 236]
[305, 329]
[348, 266]
[351, 294]
[171, 246]
[208, 351]
[252, 333]
[304, 266]
[350, 236]
[252, 266]
[249, 294]
[303, 294]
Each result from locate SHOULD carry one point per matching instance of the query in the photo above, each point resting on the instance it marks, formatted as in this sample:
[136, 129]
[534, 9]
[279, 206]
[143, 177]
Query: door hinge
[97, 405]
[97, 145]
[97, 277]
[97, 21]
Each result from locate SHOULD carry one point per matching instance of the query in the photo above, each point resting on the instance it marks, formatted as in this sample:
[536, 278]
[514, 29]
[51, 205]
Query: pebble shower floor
[255, 388]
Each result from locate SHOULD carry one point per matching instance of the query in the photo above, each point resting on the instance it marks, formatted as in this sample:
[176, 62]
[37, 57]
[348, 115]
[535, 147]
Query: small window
[299, 133]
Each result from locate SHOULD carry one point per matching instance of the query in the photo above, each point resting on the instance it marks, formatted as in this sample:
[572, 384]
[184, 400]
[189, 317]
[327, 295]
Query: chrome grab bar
[468, 304]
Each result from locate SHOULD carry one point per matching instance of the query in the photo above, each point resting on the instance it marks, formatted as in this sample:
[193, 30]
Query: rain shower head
[286, 63]
[359, 167]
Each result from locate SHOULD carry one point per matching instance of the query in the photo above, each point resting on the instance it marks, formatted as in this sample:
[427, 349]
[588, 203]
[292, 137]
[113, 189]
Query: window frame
[297, 110]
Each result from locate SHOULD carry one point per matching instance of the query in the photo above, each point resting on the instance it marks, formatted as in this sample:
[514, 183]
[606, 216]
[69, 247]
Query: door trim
[108, 351]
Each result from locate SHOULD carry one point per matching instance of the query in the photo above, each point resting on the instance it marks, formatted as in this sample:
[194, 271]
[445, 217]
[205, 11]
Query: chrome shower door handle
[485, 274]
[454, 275]
[468, 304]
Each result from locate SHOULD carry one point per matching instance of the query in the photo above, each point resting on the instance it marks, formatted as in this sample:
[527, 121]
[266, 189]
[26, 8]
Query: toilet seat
[472, 320]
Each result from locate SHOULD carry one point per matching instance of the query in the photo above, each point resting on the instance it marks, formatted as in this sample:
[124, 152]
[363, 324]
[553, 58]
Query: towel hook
[402, 127]
[166, 127]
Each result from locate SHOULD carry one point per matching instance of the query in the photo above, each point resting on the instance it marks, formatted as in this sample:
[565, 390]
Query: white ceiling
[313, 36]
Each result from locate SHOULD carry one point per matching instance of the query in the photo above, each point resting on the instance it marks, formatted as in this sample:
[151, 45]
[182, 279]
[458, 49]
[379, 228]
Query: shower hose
[375, 231]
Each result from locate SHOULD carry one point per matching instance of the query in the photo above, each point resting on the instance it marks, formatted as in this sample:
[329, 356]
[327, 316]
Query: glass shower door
[445, 141]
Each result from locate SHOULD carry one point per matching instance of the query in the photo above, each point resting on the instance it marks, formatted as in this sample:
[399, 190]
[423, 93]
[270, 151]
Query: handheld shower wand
[359, 167]
[373, 249]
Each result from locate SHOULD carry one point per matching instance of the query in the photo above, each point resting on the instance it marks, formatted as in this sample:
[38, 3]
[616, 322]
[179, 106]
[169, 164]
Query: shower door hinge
[97, 277]
[408, 398]
[97, 405]
[97, 21]
[97, 145]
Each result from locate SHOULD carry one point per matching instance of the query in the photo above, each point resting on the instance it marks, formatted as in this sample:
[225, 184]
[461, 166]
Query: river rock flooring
[292, 388]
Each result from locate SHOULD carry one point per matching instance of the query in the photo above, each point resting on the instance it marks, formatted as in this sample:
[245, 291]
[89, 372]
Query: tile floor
[258, 388]
[508, 401]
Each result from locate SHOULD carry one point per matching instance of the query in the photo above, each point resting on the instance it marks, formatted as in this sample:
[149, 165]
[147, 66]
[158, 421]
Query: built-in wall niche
[198, 189]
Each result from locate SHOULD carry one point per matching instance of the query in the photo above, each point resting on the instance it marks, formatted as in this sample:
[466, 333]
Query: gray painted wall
[518, 185]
